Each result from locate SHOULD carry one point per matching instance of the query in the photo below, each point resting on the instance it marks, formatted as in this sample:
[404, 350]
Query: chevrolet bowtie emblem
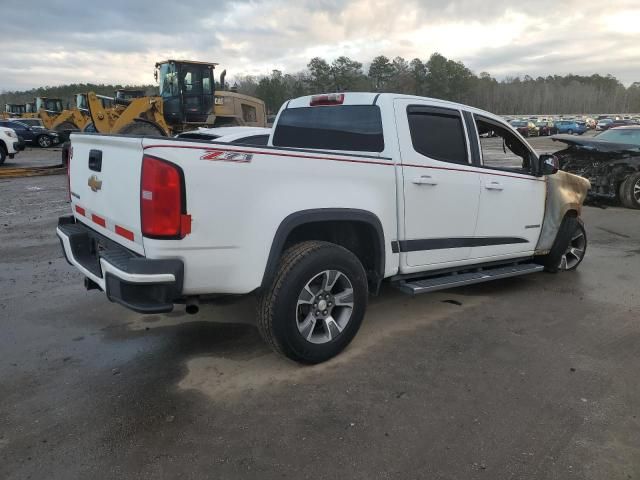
[94, 183]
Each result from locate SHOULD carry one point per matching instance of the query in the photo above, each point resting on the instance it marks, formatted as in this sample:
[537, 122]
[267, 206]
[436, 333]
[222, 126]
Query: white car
[9, 143]
[245, 135]
[352, 190]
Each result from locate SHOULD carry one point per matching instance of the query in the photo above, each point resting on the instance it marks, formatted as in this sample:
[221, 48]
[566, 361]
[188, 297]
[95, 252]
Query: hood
[595, 145]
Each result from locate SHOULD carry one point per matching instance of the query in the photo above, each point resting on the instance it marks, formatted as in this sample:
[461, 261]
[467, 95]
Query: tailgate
[105, 186]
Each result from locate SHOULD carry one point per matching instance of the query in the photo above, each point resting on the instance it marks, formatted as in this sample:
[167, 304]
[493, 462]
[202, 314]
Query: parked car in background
[571, 127]
[546, 128]
[525, 128]
[604, 124]
[621, 123]
[245, 135]
[610, 161]
[33, 135]
[32, 122]
[9, 143]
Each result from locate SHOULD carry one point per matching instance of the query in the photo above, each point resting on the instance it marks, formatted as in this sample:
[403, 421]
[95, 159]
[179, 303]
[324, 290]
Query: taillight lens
[162, 201]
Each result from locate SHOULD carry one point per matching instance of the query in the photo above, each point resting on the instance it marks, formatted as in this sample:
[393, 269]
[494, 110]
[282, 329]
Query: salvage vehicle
[9, 143]
[604, 124]
[610, 161]
[547, 128]
[570, 127]
[526, 128]
[353, 190]
[41, 137]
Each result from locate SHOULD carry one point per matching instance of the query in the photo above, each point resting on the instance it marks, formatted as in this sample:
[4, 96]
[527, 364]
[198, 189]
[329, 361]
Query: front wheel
[44, 141]
[569, 248]
[316, 303]
[630, 191]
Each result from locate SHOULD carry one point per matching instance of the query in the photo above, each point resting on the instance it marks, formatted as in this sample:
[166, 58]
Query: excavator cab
[15, 109]
[31, 107]
[81, 102]
[128, 94]
[49, 105]
[187, 91]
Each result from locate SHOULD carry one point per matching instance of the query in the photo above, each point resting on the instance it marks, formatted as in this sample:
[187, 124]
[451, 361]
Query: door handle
[424, 180]
[494, 186]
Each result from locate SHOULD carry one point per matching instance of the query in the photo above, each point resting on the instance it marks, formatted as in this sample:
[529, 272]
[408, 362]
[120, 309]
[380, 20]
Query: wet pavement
[533, 377]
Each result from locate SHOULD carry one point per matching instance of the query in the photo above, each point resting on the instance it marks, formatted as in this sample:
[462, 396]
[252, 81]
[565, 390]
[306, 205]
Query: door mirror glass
[548, 164]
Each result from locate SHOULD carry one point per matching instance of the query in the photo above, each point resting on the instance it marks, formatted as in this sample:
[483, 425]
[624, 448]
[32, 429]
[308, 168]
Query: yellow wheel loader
[187, 99]
[13, 110]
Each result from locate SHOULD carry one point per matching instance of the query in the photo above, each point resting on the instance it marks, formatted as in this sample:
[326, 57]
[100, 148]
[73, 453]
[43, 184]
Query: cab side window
[438, 133]
[501, 148]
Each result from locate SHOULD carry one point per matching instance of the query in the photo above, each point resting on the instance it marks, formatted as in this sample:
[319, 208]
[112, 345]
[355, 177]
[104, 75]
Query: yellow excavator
[187, 99]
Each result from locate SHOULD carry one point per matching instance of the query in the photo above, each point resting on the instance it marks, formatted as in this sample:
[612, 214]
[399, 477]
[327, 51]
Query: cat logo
[94, 183]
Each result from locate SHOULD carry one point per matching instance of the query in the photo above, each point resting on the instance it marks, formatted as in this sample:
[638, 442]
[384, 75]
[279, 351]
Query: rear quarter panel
[236, 207]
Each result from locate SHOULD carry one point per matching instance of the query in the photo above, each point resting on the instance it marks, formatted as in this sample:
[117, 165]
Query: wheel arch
[338, 225]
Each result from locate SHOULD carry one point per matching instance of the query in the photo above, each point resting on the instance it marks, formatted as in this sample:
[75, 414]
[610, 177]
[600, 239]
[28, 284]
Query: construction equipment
[187, 99]
[13, 110]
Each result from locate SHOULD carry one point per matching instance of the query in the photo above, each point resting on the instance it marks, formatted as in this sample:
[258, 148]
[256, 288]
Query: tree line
[437, 77]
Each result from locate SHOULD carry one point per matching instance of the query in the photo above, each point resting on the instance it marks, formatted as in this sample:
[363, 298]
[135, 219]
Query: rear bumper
[138, 283]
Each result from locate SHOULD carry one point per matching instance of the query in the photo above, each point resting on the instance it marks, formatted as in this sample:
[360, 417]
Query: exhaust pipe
[192, 306]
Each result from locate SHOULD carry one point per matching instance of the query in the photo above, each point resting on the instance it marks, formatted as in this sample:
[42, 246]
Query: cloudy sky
[66, 41]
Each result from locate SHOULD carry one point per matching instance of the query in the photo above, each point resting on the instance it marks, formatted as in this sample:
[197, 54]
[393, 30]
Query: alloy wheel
[324, 306]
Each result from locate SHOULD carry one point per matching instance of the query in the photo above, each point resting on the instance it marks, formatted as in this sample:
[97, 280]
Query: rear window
[343, 127]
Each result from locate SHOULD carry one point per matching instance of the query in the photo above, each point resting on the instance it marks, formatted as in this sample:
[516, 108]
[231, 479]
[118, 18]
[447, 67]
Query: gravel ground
[528, 378]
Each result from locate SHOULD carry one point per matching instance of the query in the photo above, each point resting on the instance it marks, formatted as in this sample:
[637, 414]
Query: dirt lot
[528, 378]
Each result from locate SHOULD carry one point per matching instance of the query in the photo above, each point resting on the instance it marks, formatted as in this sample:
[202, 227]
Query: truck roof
[370, 98]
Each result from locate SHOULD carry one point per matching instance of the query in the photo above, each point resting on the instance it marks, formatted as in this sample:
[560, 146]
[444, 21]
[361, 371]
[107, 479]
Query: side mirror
[548, 164]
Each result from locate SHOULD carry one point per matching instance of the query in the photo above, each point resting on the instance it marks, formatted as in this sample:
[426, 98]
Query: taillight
[162, 200]
[329, 99]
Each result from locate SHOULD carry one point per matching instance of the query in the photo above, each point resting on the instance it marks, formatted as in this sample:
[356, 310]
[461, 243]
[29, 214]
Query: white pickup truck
[353, 189]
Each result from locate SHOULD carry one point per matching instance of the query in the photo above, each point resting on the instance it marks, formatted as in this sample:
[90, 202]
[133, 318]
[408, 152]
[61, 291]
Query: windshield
[519, 124]
[623, 135]
[168, 79]
[81, 102]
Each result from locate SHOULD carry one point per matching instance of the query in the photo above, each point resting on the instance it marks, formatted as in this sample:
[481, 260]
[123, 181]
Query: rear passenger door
[441, 191]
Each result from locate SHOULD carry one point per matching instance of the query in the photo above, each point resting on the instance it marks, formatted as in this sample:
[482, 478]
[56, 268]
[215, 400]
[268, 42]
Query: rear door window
[438, 133]
[340, 127]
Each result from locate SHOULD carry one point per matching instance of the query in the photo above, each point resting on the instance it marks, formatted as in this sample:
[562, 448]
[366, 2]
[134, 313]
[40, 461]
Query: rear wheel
[630, 191]
[3, 154]
[142, 127]
[316, 303]
[570, 132]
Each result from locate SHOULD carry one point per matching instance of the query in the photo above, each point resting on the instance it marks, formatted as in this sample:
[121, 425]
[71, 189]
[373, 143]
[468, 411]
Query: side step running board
[451, 280]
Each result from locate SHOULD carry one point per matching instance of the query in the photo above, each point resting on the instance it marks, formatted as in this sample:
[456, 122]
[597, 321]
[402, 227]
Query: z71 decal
[220, 156]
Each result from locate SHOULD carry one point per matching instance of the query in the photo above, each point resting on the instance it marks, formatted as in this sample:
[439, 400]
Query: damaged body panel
[565, 193]
[606, 164]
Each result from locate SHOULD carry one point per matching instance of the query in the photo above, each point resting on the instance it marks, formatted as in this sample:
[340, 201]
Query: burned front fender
[565, 192]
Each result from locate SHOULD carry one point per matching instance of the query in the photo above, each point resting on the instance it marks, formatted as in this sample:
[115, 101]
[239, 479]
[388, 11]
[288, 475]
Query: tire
[3, 154]
[89, 128]
[569, 248]
[287, 320]
[142, 127]
[630, 191]
[570, 132]
[44, 141]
